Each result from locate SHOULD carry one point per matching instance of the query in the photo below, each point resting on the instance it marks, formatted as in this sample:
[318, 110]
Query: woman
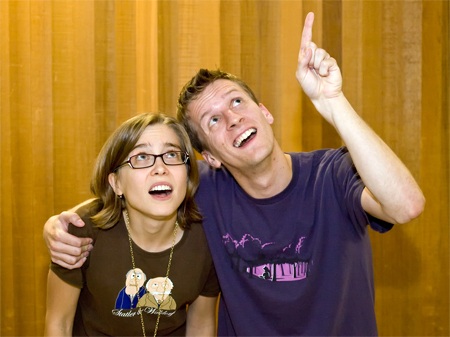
[150, 260]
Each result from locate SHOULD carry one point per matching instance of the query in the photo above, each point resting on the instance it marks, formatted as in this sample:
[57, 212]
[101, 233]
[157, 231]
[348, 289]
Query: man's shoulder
[321, 156]
[207, 172]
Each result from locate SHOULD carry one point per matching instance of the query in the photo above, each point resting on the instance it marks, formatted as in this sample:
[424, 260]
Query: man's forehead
[221, 87]
[214, 93]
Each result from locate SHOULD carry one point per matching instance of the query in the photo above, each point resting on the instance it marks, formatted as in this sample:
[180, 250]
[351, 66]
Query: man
[287, 232]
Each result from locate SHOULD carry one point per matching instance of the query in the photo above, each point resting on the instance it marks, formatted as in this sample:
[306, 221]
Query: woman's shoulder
[85, 212]
[89, 209]
[195, 234]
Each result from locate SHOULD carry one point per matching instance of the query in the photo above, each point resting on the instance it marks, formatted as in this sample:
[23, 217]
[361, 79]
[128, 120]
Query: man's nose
[233, 118]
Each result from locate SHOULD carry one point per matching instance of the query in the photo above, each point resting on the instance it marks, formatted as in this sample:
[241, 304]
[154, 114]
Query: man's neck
[267, 179]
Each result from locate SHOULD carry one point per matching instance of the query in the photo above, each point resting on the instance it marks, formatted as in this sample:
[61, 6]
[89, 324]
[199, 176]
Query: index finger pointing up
[307, 31]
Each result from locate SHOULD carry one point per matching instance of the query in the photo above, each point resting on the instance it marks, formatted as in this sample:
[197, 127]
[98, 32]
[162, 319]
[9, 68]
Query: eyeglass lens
[143, 160]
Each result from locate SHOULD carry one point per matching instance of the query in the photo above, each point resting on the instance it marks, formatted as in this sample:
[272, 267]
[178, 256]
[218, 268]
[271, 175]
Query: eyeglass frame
[155, 156]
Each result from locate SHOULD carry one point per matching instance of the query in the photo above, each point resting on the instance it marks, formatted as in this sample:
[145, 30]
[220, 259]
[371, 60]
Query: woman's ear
[113, 180]
[211, 160]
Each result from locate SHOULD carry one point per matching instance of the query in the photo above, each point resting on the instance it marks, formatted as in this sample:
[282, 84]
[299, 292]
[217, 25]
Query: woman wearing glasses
[150, 272]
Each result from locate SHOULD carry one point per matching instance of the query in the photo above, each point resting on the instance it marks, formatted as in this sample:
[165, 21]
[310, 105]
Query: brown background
[71, 71]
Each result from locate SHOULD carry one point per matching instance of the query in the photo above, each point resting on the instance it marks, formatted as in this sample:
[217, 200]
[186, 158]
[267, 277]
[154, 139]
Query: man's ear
[266, 113]
[211, 160]
[114, 182]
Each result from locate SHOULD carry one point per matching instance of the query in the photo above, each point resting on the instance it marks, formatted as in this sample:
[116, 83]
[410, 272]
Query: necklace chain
[159, 302]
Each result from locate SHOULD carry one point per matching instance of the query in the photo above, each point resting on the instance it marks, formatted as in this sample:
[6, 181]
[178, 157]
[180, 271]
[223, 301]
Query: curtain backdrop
[72, 71]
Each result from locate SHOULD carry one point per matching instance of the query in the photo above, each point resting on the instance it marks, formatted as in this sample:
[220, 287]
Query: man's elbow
[413, 209]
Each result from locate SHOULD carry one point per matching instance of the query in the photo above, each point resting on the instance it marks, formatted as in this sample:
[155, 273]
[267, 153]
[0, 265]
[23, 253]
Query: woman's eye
[171, 155]
[142, 156]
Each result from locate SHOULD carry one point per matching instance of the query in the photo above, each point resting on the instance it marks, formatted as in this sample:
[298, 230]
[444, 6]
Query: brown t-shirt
[107, 307]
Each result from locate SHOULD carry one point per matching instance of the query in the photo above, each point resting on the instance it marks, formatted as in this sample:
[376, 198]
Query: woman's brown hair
[115, 151]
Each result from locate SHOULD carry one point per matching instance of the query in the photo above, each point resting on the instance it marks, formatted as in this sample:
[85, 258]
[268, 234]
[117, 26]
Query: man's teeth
[160, 188]
[243, 137]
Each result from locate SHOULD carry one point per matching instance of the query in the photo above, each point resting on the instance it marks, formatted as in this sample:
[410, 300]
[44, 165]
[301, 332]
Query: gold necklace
[159, 302]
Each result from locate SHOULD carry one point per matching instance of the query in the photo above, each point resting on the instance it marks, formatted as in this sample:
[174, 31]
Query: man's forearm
[383, 173]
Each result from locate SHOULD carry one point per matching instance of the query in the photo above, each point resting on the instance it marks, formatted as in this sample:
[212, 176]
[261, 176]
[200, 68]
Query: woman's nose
[159, 167]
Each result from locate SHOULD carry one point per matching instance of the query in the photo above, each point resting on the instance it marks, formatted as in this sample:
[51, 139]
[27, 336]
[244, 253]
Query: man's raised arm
[391, 193]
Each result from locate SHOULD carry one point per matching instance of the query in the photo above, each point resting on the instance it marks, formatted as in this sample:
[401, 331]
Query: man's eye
[236, 102]
[213, 121]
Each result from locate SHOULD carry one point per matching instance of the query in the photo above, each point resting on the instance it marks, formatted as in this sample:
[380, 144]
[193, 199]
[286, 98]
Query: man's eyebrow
[208, 111]
[204, 114]
[229, 92]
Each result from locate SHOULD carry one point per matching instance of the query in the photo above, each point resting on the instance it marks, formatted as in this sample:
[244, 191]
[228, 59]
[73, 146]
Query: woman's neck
[153, 235]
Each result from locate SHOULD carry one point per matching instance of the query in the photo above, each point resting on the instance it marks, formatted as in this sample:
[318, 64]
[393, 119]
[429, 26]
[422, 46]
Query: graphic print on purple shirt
[257, 259]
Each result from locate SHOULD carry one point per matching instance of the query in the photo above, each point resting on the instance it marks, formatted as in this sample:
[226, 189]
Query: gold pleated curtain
[72, 71]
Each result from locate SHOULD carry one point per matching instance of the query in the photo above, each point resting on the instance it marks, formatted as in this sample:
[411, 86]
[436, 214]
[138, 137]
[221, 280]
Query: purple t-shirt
[298, 263]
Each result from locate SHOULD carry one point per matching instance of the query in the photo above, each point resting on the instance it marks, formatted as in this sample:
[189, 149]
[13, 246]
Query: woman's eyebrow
[149, 146]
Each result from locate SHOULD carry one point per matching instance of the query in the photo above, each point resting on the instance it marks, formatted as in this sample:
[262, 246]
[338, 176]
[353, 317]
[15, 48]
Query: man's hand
[317, 72]
[65, 249]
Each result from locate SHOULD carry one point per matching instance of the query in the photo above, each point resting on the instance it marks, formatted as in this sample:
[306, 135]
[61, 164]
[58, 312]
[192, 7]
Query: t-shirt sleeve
[211, 287]
[75, 277]
[209, 284]
[353, 188]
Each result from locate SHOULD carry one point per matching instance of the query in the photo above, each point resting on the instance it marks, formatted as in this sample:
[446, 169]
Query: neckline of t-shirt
[277, 197]
[166, 252]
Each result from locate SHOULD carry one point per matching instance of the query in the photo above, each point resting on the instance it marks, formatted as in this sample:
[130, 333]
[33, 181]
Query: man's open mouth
[245, 137]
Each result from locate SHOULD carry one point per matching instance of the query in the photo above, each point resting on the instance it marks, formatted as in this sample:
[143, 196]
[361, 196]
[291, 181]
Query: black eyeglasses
[144, 160]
